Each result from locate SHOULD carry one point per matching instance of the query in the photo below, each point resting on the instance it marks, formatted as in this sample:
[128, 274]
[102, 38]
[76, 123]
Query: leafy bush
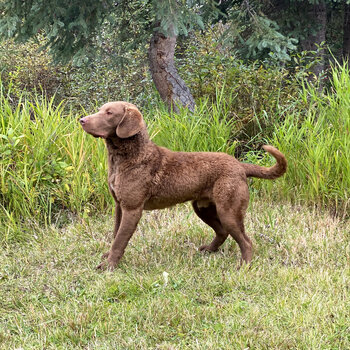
[257, 97]
[103, 80]
[27, 68]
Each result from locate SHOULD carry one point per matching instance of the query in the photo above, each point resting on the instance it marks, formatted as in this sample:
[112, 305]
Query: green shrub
[29, 69]
[103, 80]
[257, 97]
[25, 68]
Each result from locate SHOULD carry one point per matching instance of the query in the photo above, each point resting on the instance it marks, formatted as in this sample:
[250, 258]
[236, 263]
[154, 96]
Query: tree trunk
[316, 13]
[171, 87]
[346, 33]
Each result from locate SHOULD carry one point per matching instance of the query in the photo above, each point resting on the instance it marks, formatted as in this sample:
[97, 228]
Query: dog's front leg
[117, 221]
[129, 221]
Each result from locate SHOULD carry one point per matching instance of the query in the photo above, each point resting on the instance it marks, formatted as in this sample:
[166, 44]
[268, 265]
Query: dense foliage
[254, 29]
[252, 86]
[48, 166]
[251, 92]
[240, 104]
[268, 31]
[72, 28]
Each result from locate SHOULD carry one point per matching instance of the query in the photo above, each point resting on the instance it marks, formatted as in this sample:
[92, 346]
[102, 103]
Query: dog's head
[114, 119]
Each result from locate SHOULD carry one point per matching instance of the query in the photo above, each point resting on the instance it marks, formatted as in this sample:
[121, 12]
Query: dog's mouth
[96, 136]
[87, 127]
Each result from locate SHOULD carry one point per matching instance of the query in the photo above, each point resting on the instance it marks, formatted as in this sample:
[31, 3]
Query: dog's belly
[175, 193]
[162, 203]
[156, 203]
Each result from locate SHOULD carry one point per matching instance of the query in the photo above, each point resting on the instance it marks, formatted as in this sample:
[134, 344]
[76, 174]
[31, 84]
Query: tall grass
[48, 165]
[208, 129]
[317, 145]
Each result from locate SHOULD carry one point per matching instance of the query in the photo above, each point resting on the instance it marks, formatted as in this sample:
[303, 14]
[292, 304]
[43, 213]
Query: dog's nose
[82, 121]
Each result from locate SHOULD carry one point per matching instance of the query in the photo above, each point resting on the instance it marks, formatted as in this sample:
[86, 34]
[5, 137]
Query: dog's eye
[109, 112]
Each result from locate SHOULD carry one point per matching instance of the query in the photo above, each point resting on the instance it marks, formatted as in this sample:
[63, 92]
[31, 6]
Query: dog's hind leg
[235, 227]
[210, 217]
[231, 210]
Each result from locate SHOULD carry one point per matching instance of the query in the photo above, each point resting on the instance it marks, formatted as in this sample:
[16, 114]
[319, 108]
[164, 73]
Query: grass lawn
[167, 295]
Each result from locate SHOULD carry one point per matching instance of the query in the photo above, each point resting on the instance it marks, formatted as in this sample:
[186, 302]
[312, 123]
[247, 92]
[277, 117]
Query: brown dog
[144, 176]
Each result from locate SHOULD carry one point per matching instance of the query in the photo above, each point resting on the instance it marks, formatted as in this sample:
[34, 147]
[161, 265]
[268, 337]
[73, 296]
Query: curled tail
[277, 170]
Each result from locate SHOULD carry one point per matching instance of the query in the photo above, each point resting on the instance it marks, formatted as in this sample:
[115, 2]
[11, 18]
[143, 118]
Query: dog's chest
[127, 187]
[114, 184]
[115, 180]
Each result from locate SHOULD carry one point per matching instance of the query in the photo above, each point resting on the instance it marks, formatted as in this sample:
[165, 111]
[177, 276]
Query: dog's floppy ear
[131, 123]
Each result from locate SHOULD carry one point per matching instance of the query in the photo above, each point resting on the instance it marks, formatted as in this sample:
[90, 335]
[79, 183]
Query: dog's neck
[127, 149]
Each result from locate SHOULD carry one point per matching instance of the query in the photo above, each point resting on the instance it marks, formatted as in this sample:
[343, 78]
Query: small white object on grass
[166, 278]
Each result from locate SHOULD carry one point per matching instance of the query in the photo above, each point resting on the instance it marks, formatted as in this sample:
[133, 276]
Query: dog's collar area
[119, 140]
[110, 143]
[130, 147]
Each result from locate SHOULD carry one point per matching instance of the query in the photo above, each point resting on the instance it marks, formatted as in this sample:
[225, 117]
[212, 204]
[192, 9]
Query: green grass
[167, 295]
[209, 129]
[50, 166]
[316, 143]
[47, 165]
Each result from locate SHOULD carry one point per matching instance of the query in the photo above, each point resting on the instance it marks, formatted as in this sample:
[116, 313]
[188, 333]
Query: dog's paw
[109, 261]
[106, 265]
[102, 266]
[105, 256]
[206, 248]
